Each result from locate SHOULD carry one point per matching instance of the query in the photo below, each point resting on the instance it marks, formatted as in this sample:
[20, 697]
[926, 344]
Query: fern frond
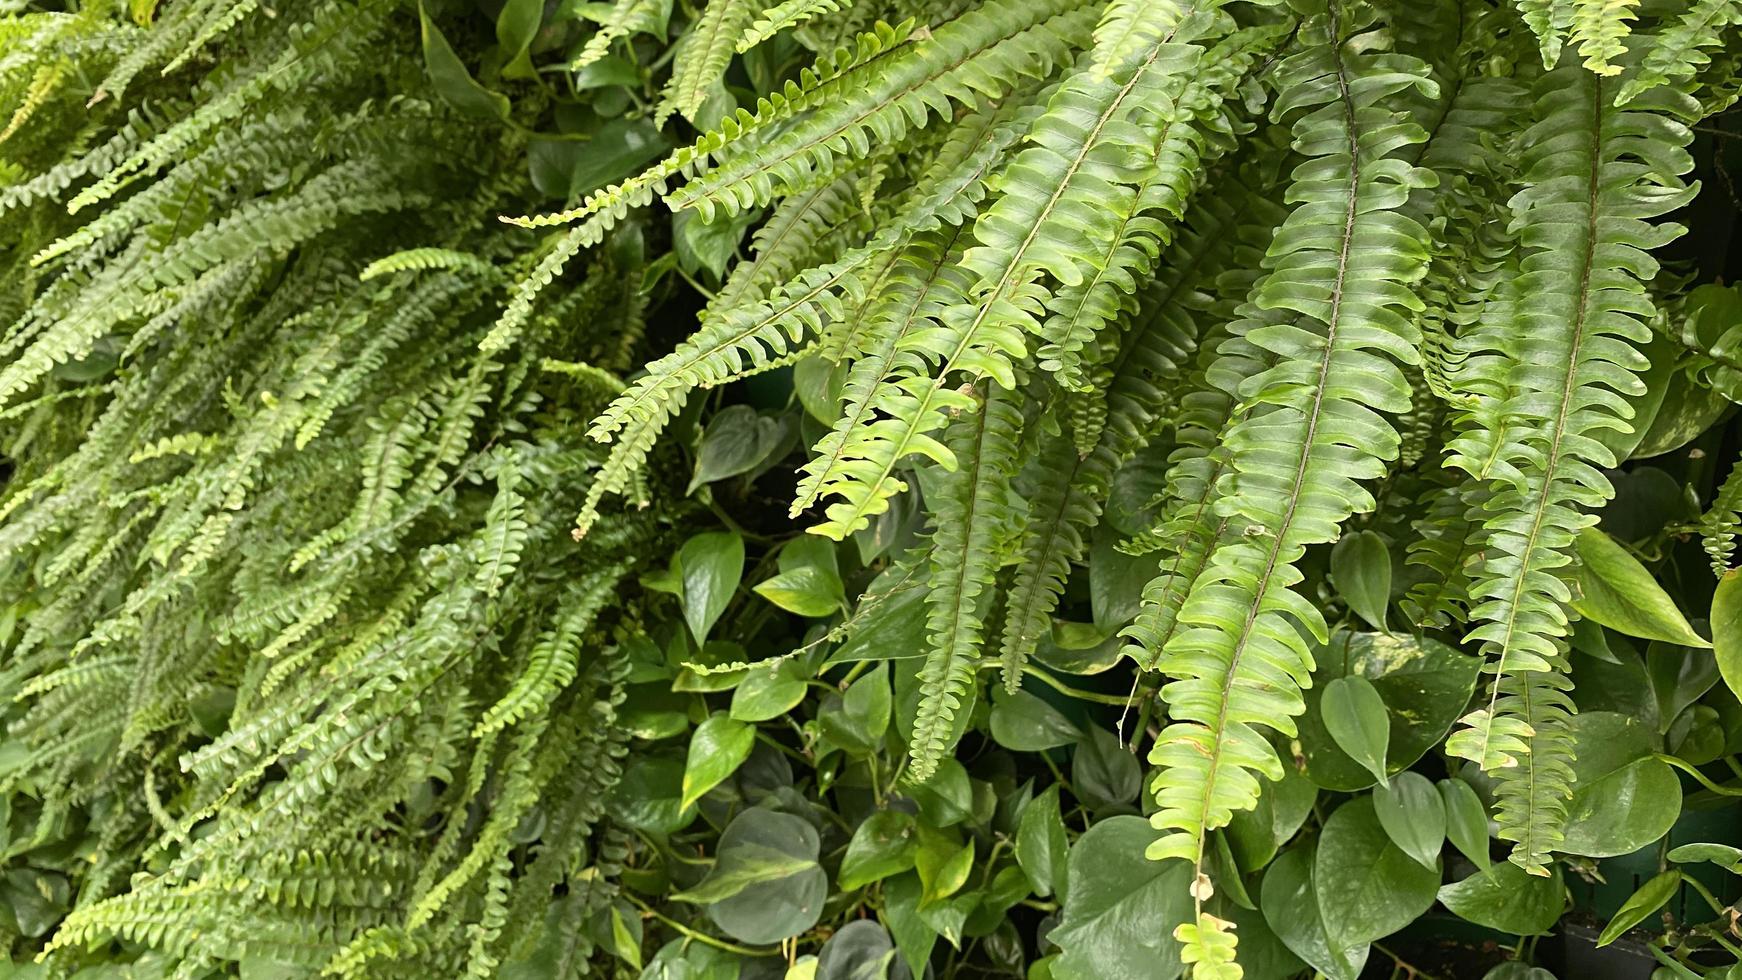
[1600, 29]
[985, 52]
[1721, 521]
[784, 15]
[972, 514]
[1677, 50]
[1340, 268]
[1570, 356]
[700, 66]
[424, 260]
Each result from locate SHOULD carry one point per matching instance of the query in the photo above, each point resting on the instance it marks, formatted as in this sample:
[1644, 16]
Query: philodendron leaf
[1414, 816]
[1650, 897]
[776, 888]
[1617, 591]
[1466, 820]
[857, 719]
[736, 440]
[1354, 713]
[1022, 722]
[883, 845]
[717, 748]
[1041, 843]
[1508, 899]
[711, 565]
[1727, 629]
[1723, 855]
[1623, 797]
[1361, 571]
[451, 78]
[1425, 685]
[1291, 907]
[1122, 909]
[1367, 887]
[764, 694]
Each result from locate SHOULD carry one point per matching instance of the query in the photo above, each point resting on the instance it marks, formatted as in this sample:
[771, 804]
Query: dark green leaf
[717, 748]
[1022, 722]
[1508, 899]
[1650, 897]
[1355, 715]
[1615, 589]
[883, 845]
[711, 565]
[771, 907]
[737, 439]
[856, 720]
[452, 81]
[1041, 844]
[1367, 887]
[1466, 820]
[1425, 685]
[1103, 773]
[1118, 921]
[1679, 676]
[1414, 817]
[1361, 571]
[1622, 798]
[1291, 907]
[1723, 855]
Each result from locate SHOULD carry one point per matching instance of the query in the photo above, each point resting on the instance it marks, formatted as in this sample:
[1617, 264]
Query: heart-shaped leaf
[1355, 715]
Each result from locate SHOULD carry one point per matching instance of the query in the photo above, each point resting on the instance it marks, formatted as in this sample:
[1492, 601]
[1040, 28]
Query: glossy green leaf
[516, 26]
[717, 748]
[943, 862]
[450, 77]
[1649, 897]
[1361, 571]
[1023, 722]
[1256, 835]
[1508, 899]
[1466, 820]
[1679, 676]
[860, 950]
[1414, 816]
[1355, 715]
[1425, 685]
[1727, 629]
[737, 440]
[1291, 907]
[1614, 589]
[785, 890]
[947, 798]
[914, 939]
[1041, 844]
[857, 719]
[1368, 888]
[1723, 855]
[1118, 921]
[882, 845]
[711, 565]
[765, 694]
[806, 591]
[1104, 773]
[1622, 798]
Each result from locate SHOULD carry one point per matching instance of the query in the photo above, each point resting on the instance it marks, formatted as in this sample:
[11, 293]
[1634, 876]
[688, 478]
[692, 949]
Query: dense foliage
[836, 489]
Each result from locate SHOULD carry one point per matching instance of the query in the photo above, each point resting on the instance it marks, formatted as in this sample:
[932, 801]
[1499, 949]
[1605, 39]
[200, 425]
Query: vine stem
[700, 937]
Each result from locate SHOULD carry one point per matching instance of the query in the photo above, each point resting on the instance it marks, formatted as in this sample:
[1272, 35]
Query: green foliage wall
[868, 488]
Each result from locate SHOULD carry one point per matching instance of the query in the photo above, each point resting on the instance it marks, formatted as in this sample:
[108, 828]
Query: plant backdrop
[848, 489]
